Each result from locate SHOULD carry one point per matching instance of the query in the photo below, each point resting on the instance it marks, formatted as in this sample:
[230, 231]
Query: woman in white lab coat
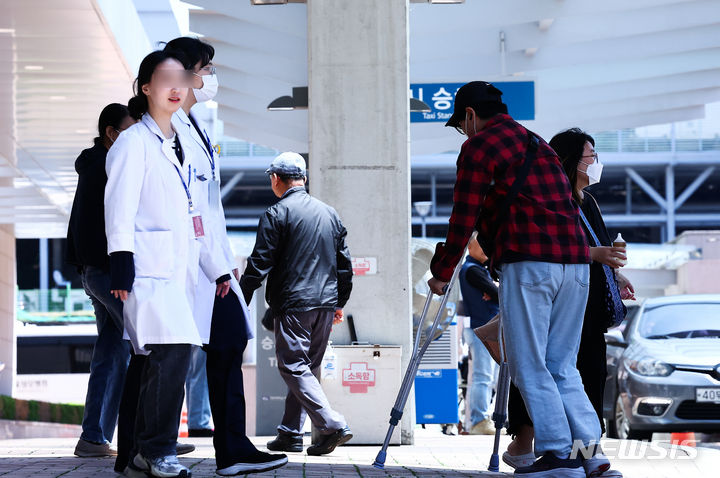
[221, 315]
[149, 219]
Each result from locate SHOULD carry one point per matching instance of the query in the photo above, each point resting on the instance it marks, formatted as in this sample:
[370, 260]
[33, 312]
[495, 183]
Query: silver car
[664, 368]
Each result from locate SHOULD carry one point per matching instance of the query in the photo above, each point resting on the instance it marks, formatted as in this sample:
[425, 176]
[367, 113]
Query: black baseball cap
[474, 94]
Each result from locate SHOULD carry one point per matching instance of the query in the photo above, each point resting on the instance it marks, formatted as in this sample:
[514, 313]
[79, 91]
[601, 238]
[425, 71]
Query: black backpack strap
[504, 209]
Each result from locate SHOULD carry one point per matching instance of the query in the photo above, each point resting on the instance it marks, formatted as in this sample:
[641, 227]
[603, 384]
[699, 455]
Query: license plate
[707, 395]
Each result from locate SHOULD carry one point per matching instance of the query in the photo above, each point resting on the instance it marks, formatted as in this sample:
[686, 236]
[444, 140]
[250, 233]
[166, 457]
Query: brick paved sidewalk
[433, 455]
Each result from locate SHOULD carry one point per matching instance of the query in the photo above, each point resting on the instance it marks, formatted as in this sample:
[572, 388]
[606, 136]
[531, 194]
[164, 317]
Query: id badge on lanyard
[197, 221]
[214, 183]
[214, 195]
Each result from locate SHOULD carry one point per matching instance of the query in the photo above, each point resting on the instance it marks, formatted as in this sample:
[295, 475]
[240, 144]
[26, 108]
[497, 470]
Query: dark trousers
[151, 404]
[228, 339]
[300, 342]
[592, 365]
[162, 393]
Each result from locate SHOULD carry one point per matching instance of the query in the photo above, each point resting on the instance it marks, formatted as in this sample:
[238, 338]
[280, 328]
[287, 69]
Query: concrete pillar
[7, 308]
[359, 156]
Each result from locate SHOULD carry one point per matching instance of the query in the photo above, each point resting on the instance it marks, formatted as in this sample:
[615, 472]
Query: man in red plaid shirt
[541, 255]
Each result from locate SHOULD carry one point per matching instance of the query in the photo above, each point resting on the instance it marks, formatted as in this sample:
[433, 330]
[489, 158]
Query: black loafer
[328, 443]
[285, 442]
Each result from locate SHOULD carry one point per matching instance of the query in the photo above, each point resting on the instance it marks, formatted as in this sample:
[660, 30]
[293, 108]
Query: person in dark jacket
[300, 247]
[87, 249]
[480, 298]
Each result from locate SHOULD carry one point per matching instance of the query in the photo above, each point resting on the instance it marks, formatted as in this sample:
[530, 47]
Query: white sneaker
[162, 467]
[518, 461]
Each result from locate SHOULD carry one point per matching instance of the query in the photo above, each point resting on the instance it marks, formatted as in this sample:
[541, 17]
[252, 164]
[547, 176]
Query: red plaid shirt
[543, 223]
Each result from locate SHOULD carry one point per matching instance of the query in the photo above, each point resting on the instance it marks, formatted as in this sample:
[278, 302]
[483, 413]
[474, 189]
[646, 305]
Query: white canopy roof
[599, 65]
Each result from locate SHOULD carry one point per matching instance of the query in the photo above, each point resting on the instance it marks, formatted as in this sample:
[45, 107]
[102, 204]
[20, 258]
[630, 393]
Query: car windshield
[681, 321]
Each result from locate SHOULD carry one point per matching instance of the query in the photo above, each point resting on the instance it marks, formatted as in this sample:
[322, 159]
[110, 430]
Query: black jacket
[86, 241]
[300, 247]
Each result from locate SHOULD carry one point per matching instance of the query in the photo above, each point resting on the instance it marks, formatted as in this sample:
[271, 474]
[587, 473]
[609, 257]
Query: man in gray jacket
[300, 247]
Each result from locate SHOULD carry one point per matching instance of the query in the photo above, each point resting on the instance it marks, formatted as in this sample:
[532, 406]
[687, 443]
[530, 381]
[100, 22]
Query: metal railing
[54, 305]
[628, 141]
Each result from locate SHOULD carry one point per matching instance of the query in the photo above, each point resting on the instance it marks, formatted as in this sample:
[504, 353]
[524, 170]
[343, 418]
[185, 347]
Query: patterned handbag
[615, 310]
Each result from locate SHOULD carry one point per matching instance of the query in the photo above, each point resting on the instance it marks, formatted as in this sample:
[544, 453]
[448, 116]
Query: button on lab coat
[146, 213]
[216, 251]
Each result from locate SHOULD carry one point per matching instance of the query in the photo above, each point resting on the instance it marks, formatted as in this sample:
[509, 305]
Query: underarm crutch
[418, 351]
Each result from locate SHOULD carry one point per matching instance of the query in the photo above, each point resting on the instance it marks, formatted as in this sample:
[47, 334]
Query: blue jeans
[196, 386]
[109, 360]
[542, 306]
[481, 376]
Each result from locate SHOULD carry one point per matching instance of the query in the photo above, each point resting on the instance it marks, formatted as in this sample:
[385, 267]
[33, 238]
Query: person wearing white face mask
[576, 150]
[220, 313]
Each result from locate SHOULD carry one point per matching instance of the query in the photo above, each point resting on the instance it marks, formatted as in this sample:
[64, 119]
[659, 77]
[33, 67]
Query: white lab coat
[217, 248]
[146, 213]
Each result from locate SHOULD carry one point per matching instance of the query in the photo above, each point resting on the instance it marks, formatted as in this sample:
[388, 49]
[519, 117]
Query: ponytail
[138, 105]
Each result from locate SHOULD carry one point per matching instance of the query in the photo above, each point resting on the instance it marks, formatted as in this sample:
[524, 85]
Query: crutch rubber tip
[380, 460]
[494, 463]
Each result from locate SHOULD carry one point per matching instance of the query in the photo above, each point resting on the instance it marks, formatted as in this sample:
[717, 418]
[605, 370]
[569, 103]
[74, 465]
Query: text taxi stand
[519, 96]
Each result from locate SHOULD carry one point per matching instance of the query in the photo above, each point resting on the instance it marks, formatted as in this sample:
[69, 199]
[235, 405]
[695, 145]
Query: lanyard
[206, 141]
[182, 180]
[211, 151]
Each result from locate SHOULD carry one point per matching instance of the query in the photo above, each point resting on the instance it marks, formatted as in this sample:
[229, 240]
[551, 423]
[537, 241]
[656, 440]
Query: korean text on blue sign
[519, 96]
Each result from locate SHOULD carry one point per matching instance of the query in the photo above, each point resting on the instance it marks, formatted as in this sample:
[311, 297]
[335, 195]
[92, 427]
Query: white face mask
[208, 90]
[594, 171]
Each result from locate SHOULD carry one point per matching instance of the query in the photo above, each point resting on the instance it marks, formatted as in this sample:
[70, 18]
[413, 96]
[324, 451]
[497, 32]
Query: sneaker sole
[92, 455]
[239, 468]
[182, 474]
[514, 464]
[294, 449]
[340, 442]
[598, 471]
[555, 473]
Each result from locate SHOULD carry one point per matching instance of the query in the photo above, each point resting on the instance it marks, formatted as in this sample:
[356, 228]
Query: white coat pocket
[154, 254]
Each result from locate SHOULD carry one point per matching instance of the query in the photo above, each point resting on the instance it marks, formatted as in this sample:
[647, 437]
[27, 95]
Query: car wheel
[621, 425]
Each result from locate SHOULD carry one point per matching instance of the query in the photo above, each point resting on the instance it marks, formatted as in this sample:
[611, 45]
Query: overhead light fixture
[298, 100]
[58, 98]
[34, 67]
[531, 51]
[7, 30]
[446, 1]
[284, 103]
[82, 131]
[417, 106]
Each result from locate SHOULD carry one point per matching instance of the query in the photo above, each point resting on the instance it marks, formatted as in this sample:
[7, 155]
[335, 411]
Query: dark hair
[112, 115]
[138, 104]
[487, 109]
[194, 49]
[570, 146]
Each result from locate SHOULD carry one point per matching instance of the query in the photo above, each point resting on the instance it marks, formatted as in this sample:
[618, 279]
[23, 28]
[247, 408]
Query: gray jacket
[300, 247]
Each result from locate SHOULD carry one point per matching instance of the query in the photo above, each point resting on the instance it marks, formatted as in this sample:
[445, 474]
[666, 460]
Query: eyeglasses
[207, 69]
[594, 156]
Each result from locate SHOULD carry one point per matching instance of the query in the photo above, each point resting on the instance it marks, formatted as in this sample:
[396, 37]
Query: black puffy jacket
[300, 247]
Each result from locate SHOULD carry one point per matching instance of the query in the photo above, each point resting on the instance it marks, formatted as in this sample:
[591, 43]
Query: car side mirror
[616, 339]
